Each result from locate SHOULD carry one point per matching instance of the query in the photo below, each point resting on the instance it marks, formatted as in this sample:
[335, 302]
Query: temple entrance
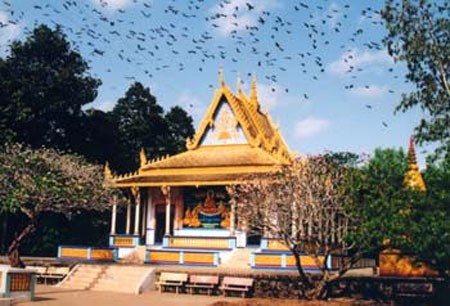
[161, 223]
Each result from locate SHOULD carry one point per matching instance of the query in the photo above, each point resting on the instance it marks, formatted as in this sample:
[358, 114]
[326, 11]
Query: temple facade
[181, 201]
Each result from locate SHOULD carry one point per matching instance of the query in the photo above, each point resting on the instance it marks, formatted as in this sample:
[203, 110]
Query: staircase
[111, 277]
[82, 277]
[239, 259]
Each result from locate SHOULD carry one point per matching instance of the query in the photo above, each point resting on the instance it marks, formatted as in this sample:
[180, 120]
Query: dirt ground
[53, 296]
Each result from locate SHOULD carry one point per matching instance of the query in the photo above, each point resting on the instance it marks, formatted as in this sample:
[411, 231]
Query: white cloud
[269, 95]
[106, 106]
[113, 4]
[8, 31]
[372, 91]
[235, 15]
[192, 104]
[309, 127]
[355, 59]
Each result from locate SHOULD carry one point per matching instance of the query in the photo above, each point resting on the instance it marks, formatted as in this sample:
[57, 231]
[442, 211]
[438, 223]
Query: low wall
[87, 253]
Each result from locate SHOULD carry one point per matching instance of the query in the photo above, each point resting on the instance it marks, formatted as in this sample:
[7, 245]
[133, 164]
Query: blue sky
[322, 72]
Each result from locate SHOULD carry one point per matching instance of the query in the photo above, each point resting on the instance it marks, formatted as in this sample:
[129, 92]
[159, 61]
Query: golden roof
[218, 163]
[413, 178]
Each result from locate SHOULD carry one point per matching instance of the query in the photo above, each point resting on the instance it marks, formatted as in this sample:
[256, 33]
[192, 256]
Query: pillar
[113, 215]
[144, 214]
[150, 227]
[166, 192]
[137, 198]
[127, 229]
[232, 217]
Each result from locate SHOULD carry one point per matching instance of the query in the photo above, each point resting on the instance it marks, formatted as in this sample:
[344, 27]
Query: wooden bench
[169, 279]
[208, 282]
[412, 291]
[239, 284]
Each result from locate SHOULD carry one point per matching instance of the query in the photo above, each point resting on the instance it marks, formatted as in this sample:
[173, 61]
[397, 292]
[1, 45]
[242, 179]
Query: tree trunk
[13, 249]
[4, 233]
[319, 291]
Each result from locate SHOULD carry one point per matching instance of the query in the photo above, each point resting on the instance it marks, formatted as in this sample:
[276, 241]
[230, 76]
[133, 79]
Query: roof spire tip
[253, 93]
[238, 83]
[221, 77]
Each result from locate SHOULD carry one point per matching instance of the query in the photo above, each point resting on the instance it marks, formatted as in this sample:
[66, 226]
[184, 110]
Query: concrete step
[116, 278]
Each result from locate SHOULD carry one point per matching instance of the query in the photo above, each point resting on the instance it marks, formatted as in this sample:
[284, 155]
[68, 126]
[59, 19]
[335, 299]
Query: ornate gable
[237, 119]
[225, 128]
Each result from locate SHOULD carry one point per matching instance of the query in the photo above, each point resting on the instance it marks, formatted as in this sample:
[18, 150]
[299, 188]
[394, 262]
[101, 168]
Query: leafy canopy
[42, 180]
[419, 35]
[43, 86]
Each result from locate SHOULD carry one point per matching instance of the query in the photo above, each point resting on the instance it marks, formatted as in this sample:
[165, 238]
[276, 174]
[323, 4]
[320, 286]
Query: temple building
[181, 201]
[393, 262]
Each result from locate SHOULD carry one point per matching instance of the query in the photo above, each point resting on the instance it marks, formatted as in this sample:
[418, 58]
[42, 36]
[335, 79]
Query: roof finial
[238, 83]
[107, 172]
[221, 78]
[253, 93]
[413, 178]
[142, 158]
[412, 152]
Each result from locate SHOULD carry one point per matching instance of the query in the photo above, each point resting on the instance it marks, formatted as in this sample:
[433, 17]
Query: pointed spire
[254, 93]
[107, 172]
[221, 77]
[142, 157]
[238, 84]
[413, 178]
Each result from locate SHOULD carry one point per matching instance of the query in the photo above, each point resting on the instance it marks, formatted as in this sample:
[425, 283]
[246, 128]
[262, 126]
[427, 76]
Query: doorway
[161, 222]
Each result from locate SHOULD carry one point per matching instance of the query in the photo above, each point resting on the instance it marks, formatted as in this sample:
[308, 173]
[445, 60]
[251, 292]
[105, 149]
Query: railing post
[283, 260]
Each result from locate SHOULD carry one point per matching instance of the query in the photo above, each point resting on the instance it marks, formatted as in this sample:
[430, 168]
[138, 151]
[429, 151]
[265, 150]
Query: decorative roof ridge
[279, 137]
[413, 178]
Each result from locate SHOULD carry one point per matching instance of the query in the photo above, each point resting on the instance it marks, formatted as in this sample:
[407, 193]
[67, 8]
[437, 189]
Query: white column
[144, 218]
[127, 230]
[113, 216]
[137, 213]
[150, 228]
[232, 217]
[166, 192]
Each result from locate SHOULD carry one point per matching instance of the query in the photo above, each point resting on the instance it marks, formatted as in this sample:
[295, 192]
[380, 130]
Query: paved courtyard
[54, 296]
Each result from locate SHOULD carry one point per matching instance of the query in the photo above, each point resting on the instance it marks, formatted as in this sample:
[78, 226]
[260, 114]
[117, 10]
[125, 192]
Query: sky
[322, 71]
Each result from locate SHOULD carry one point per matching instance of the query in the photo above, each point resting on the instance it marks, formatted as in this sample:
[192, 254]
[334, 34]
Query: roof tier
[234, 140]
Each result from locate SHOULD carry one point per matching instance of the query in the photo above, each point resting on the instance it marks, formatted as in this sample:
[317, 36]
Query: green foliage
[180, 126]
[379, 197]
[43, 86]
[391, 215]
[430, 219]
[418, 34]
[33, 182]
[141, 123]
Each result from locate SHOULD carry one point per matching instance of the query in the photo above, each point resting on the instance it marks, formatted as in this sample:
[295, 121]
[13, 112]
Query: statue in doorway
[209, 206]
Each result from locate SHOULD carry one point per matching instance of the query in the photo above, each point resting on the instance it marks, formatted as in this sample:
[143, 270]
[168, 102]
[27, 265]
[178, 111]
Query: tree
[142, 124]
[392, 215]
[304, 205]
[380, 197]
[33, 182]
[429, 221]
[418, 35]
[43, 87]
[180, 128]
